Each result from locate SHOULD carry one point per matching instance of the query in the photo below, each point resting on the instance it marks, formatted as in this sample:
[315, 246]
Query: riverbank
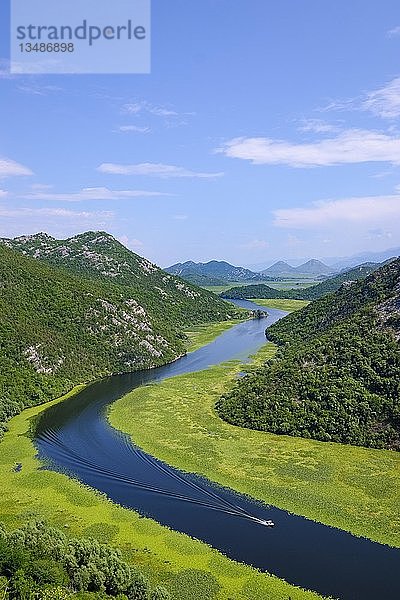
[352, 488]
[165, 556]
[287, 305]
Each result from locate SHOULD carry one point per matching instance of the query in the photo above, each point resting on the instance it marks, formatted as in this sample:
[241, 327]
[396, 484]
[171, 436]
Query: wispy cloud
[133, 129]
[385, 101]
[351, 146]
[36, 89]
[367, 210]
[135, 108]
[340, 105]
[3, 193]
[154, 170]
[394, 32]
[10, 168]
[316, 126]
[166, 114]
[95, 193]
[382, 102]
[180, 217]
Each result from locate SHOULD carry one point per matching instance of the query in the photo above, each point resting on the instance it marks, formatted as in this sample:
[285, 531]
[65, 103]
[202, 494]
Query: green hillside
[98, 255]
[59, 328]
[311, 293]
[337, 374]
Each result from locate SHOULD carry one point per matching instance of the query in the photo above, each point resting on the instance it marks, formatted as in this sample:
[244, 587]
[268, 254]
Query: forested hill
[97, 255]
[58, 328]
[336, 376]
[311, 293]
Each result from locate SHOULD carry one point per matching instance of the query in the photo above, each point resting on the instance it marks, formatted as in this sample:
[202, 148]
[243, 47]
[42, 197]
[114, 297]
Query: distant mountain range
[336, 263]
[329, 285]
[219, 272]
[214, 272]
[311, 267]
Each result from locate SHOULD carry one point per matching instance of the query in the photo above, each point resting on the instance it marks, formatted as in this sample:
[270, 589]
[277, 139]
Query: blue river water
[76, 438]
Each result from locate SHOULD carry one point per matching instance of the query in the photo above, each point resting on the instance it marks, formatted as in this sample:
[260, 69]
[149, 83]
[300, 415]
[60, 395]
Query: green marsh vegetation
[166, 558]
[281, 304]
[353, 488]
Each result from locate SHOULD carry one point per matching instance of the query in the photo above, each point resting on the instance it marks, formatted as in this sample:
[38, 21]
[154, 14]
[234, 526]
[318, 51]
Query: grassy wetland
[166, 557]
[353, 488]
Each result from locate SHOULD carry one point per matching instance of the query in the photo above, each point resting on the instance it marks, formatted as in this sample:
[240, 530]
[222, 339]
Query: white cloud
[3, 193]
[394, 32]
[133, 128]
[385, 101]
[350, 146]
[339, 105]
[153, 170]
[168, 116]
[36, 89]
[10, 168]
[135, 108]
[180, 217]
[347, 212]
[96, 193]
[316, 126]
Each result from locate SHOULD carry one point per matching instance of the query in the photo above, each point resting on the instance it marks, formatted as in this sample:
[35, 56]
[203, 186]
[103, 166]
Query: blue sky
[265, 130]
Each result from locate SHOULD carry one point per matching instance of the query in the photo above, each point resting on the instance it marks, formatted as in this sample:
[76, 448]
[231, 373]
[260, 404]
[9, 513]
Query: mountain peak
[94, 237]
[41, 236]
[314, 267]
[279, 268]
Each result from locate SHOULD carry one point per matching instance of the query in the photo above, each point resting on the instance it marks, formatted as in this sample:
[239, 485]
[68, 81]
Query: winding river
[75, 437]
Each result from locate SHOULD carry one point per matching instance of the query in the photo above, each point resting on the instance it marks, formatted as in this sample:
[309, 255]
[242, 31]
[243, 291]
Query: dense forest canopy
[38, 562]
[336, 376]
[71, 317]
